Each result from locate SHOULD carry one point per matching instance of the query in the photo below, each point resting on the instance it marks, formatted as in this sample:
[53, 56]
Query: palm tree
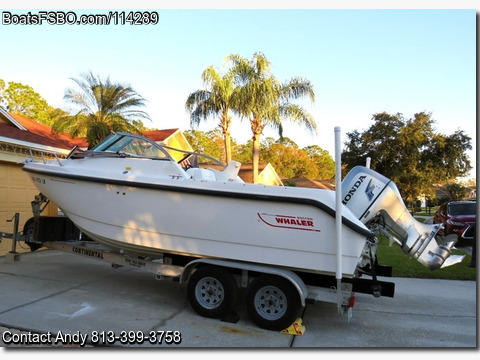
[217, 100]
[104, 107]
[266, 102]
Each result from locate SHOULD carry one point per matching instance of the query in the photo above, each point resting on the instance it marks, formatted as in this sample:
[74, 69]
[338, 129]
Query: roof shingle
[38, 134]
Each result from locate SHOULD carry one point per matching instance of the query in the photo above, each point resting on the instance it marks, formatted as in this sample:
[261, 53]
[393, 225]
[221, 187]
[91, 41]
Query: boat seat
[201, 174]
[230, 173]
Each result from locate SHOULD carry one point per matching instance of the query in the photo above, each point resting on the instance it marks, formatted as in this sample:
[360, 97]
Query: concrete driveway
[61, 293]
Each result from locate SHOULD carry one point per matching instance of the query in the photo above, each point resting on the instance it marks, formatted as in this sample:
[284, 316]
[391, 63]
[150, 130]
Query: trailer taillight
[352, 301]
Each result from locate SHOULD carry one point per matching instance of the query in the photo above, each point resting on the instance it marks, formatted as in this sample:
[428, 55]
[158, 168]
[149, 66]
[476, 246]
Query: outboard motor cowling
[376, 202]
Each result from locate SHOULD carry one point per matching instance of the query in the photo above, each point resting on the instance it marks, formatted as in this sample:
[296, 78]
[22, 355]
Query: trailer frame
[310, 288]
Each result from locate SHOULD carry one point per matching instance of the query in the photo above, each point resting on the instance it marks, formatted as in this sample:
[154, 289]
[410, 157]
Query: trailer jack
[12, 255]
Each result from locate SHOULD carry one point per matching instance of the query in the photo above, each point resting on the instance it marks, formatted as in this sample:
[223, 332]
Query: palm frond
[103, 107]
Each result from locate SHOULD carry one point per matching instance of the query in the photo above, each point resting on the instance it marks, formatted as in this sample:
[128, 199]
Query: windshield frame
[107, 147]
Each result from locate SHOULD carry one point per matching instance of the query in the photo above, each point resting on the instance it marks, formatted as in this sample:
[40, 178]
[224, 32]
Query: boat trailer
[298, 288]
[275, 295]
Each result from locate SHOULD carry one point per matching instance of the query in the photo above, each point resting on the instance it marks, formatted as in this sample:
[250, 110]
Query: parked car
[457, 217]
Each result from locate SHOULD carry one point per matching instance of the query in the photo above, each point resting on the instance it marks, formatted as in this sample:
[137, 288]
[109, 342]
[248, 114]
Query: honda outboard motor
[376, 202]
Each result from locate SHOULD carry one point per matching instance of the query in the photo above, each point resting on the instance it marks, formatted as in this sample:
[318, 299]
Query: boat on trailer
[144, 199]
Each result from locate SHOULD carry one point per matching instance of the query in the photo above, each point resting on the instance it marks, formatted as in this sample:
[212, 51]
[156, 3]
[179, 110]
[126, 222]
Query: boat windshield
[131, 145]
[122, 144]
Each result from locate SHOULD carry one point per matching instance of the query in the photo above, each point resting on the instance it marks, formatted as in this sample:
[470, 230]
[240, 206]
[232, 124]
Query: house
[21, 138]
[170, 137]
[442, 193]
[267, 174]
[314, 184]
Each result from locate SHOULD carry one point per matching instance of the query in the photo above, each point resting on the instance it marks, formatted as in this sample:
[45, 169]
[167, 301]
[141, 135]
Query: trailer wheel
[212, 291]
[28, 232]
[273, 303]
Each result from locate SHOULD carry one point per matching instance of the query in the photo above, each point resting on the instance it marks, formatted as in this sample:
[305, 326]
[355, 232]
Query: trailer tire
[273, 303]
[212, 291]
[29, 232]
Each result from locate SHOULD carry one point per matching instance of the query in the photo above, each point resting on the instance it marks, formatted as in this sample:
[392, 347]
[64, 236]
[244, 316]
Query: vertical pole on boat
[338, 215]
[369, 160]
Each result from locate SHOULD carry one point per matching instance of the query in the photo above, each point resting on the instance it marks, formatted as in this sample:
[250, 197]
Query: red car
[457, 217]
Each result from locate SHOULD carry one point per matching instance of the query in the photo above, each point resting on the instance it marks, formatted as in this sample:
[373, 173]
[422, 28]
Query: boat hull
[288, 227]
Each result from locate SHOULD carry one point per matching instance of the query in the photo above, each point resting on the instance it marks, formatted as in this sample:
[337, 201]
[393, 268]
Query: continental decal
[289, 222]
[87, 252]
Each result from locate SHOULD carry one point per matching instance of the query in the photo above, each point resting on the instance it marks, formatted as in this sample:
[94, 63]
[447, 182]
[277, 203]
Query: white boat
[132, 194]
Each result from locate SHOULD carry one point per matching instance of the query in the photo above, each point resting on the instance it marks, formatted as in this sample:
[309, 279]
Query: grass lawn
[404, 266]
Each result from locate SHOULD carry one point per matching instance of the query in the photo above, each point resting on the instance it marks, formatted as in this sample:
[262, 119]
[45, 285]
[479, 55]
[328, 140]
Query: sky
[360, 61]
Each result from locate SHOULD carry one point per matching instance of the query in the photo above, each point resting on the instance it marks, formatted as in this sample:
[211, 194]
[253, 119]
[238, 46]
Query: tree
[291, 162]
[3, 102]
[283, 154]
[409, 152]
[103, 107]
[243, 152]
[265, 101]
[209, 143]
[284, 157]
[217, 100]
[21, 99]
[323, 161]
[456, 191]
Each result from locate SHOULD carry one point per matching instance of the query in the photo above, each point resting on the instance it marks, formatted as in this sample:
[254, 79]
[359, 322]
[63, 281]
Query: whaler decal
[289, 222]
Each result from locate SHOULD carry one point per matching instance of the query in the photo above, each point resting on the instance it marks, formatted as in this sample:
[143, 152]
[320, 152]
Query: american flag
[185, 164]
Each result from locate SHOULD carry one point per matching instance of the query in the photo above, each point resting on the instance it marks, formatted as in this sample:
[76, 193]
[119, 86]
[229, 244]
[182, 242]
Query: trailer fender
[285, 273]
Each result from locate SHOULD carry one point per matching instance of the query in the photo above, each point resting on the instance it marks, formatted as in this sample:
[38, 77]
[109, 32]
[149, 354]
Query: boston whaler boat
[150, 201]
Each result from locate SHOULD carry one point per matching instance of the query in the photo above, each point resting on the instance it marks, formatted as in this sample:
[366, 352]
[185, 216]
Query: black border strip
[218, 193]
